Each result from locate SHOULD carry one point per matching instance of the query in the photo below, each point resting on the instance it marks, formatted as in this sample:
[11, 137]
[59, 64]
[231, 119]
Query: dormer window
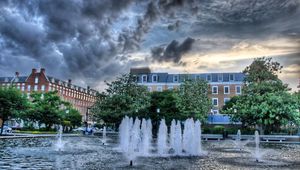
[220, 77]
[231, 77]
[6, 79]
[16, 79]
[52, 80]
[154, 78]
[175, 78]
[208, 77]
[36, 80]
[144, 78]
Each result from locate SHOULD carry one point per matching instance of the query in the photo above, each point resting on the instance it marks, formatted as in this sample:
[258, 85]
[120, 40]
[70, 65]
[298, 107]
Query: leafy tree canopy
[122, 97]
[262, 69]
[192, 99]
[12, 104]
[265, 100]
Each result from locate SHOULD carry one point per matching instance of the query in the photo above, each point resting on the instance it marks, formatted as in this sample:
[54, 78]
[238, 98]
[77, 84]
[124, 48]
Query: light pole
[211, 116]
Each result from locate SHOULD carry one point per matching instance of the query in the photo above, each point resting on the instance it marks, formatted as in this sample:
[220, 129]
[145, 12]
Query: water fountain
[162, 138]
[172, 137]
[257, 150]
[104, 135]
[136, 137]
[59, 144]
[178, 142]
[238, 139]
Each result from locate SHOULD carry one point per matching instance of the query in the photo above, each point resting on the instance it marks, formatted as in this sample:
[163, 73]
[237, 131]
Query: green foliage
[265, 100]
[71, 117]
[192, 99]
[122, 97]
[49, 109]
[166, 102]
[46, 109]
[262, 69]
[12, 104]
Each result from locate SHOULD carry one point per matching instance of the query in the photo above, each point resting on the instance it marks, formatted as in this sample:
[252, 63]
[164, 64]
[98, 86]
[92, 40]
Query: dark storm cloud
[78, 38]
[173, 51]
[72, 36]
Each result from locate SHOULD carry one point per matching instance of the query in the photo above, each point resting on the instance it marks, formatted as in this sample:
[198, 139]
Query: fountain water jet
[238, 139]
[104, 135]
[59, 144]
[257, 152]
[136, 137]
[162, 138]
[172, 137]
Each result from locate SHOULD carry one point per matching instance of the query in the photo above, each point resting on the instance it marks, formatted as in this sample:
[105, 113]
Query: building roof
[20, 79]
[210, 77]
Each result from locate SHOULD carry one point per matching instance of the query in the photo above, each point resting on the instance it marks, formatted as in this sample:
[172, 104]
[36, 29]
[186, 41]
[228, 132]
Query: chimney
[33, 71]
[43, 70]
[17, 74]
[69, 82]
[88, 88]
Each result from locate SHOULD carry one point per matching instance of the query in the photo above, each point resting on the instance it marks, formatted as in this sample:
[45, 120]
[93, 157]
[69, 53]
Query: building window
[28, 87]
[175, 78]
[154, 78]
[144, 78]
[36, 80]
[28, 95]
[23, 88]
[238, 89]
[215, 102]
[231, 77]
[6, 79]
[43, 87]
[35, 87]
[208, 77]
[150, 89]
[226, 100]
[214, 90]
[220, 77]
[16, 79]
[159, 88]
[226, 90]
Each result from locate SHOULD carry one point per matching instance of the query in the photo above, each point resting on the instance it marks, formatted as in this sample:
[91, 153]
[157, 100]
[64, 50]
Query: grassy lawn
[34, 132]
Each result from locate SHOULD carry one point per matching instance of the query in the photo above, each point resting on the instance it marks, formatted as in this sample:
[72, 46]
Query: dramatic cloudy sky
[91, 41]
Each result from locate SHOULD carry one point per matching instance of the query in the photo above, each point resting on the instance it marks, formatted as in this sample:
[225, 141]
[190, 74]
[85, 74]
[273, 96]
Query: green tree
[71, 118]
[46, 109]
[166, 103]
[192, 99]
[265, 100]
[262, 69]
[12, 104]
[122, 97]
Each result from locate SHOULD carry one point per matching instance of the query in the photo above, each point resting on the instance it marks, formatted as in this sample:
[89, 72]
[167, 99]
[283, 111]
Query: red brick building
[81, 98]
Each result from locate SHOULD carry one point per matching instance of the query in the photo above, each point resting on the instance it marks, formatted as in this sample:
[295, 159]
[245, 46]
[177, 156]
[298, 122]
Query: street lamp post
[211, 116]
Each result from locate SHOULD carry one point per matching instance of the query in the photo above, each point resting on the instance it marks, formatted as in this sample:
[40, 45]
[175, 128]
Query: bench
[280, 139]
[212, 136]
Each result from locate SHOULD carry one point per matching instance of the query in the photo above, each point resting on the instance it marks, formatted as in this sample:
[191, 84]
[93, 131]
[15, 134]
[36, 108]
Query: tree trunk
[48, 127]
